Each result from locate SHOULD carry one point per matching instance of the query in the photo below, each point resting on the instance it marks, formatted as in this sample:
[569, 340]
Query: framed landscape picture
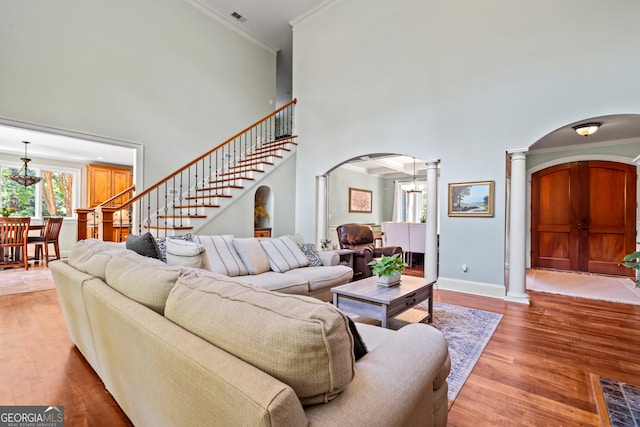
[471, 198]
[360, 200]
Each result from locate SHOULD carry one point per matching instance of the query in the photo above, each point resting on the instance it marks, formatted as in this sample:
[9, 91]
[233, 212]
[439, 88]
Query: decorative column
[322, 214]
[431, 242]
[518, 228]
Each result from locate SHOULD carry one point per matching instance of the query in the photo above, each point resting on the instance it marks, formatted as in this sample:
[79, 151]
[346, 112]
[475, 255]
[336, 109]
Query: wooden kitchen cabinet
[104, 181]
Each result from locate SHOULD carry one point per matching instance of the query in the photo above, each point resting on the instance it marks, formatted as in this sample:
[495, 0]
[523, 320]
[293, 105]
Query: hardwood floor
[538, 369]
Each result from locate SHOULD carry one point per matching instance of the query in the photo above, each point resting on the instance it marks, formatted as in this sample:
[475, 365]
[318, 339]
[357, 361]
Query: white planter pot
[391, 280]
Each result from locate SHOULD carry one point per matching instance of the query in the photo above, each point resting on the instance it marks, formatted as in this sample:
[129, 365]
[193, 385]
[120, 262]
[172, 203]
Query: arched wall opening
[396, 187]
[617, 140]
[263, 212]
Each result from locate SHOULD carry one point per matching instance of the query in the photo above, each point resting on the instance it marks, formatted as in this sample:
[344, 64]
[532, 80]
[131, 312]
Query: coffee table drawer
[408, 301]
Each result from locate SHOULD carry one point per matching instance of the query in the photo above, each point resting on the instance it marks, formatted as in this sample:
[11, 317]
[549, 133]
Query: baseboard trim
[475, 288]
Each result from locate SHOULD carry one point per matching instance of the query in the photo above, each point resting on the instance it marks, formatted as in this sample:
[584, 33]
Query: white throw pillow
[221, 256]
[252, 255]
[284, 254]
[184, 253]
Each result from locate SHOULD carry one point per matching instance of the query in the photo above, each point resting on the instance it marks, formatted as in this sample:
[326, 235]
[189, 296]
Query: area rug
[467, 331]
[622, 401]
[583, 285]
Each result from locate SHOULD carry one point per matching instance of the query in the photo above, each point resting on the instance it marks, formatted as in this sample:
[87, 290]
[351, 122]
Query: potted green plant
[388, 269]
[632, 261]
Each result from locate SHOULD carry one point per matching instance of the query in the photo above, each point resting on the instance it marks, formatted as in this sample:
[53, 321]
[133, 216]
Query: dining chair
[13, 241]
[397, 234]
[48, 236]
[417, 239]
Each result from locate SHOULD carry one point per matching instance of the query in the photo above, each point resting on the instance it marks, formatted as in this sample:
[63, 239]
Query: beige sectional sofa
[181, 346]
[276, 264]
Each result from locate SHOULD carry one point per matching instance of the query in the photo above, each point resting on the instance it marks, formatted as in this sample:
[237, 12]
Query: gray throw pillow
[309, 249]
[144, 245]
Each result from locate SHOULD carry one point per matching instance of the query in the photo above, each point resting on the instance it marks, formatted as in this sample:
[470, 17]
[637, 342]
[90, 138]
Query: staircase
[192, 197]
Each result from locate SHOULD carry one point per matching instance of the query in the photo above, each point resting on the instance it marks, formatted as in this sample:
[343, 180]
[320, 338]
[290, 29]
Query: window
[411, 203]
[55, 195]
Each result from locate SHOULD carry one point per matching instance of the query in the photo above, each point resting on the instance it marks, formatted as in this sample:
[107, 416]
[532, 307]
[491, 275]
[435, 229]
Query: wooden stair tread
[220, 187]
[169, 227]
[183, 216]
[208, 196]
[256, 156]
[244, 170]
[280, 139]
[198, 205]
[245, 163]
[229, 178]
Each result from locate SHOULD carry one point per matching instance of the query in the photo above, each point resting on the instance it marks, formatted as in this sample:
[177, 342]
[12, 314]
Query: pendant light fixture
[414, 182]
[24, 176]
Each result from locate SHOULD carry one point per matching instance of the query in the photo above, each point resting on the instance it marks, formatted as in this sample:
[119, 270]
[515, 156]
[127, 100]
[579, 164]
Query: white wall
[340, 180]
[238, 218]
[461, 82]
[156, 72]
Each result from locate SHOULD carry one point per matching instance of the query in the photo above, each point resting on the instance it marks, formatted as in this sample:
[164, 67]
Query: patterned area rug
[467, 331]
[583, 285]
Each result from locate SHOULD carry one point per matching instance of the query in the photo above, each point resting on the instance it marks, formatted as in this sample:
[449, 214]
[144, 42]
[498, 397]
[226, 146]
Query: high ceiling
[265, 20]
[268, 21]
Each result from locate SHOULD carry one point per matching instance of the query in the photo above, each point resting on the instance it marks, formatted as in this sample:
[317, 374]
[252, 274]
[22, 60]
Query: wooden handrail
[120, 194]
[193, 162]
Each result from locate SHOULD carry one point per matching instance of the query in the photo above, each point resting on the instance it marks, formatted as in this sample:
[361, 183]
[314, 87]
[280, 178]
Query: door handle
[582, 227]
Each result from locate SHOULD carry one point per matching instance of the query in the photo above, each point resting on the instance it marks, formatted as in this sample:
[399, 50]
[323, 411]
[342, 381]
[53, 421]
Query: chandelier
[414, 183]
[24, 176]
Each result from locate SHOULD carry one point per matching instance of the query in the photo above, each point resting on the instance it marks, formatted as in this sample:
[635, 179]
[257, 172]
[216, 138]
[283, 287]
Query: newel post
[82, 222]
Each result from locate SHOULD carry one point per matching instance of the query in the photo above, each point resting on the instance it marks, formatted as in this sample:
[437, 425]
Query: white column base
[518, 297]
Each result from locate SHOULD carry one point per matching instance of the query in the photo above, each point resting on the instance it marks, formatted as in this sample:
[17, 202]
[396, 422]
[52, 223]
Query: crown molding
[224, 20]
[313, 12]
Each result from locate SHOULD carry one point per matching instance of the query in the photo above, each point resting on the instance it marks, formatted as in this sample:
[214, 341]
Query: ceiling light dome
[587, 129]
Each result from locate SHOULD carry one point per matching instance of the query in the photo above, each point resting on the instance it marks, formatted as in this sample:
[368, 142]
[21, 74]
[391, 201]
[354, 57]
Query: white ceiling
[45, 145]
[387, 166]
[265, 20]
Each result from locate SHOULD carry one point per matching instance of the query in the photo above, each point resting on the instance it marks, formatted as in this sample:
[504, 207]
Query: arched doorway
[263, 212]
[583, 216]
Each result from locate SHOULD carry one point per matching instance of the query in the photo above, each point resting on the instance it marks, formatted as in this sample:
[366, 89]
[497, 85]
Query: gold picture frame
[471, 198]
[360, 201]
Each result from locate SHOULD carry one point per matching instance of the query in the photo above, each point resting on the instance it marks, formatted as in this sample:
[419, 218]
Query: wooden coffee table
[367, 298]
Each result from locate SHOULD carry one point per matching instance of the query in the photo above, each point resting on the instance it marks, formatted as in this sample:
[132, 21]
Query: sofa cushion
[278, 282]
[323, 277]
[299, 340]
[221, 256]
[283, 254]
[253, 256]
[91, 256]
[144, 245]
[309, 250]
[184, 253]
[145, 280]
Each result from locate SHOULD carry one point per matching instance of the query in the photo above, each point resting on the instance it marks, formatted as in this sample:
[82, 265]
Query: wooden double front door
[583, 216]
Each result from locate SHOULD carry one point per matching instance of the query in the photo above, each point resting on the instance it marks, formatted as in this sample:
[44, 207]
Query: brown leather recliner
[359, 237]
